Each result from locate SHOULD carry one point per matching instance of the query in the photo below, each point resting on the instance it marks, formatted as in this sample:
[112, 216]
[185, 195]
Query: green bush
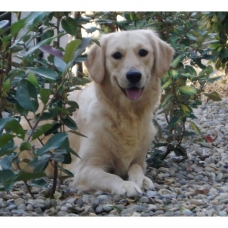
[23, 92]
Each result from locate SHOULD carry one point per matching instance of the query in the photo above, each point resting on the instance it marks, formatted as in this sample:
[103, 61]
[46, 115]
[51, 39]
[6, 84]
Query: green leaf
[17, 48]
[35, 17]
[195, 127]
[25, 146]
[29, 23]
[73, 152]
[213, 96]
[8, 148]
[39, 182]
[186, 109]
[70, 25]
[191, 37]
[69, 122]
[48, 33]
[15, 127]
[77, 133]
[177, 60]
[32, 78]
[40, 163]
[190, 70]
[173, 73]
[44, 95]
[60, 64]
[41, 130]
[61, 155]
[3, 122]
[5, 138]
[189, 90]
[21, 110]
[65, 171]
[41, 43]
[17, 26]
[166, 99]
[6, 175]
[73, 104]
[53, 129]
[23, 176]
[45, 72]
[26, 38]
[167, 84]
[70, 50]
[6, 161]
[53, 143]
[6, 86]
[85, 42]
[27, 95]
[206, 72]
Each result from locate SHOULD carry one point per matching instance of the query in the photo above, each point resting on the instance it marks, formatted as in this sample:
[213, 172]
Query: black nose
[134, 76]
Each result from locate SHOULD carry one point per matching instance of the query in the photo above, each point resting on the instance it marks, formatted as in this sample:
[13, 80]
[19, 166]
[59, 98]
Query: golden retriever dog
[116, 112]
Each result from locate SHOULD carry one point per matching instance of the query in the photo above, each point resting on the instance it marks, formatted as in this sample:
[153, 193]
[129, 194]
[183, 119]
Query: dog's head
[131, 59]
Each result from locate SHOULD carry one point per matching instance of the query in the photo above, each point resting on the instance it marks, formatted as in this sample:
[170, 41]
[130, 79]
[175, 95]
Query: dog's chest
[124, 139]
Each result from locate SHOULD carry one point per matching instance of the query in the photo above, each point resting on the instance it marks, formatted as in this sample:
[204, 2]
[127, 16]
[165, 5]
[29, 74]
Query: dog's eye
[143, 52]
[117, 55]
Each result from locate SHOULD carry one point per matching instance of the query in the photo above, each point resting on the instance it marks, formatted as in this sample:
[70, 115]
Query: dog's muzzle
[134, 92]
[133, 76]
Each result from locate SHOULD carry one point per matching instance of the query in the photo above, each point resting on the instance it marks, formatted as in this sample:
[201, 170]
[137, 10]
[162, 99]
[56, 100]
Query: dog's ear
[163, 54]
[95, 63]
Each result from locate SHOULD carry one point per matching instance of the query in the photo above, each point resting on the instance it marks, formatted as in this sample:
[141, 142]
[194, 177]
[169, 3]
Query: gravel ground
[196, 186]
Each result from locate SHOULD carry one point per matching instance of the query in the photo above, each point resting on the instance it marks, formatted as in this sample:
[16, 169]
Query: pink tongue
[134, 93]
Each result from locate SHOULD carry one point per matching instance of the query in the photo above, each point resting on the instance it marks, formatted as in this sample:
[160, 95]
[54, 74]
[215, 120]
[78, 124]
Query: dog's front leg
[136, 174]
[95, 178]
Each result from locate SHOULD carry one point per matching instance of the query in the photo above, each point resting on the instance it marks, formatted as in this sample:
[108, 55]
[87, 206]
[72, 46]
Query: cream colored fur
[119, 130]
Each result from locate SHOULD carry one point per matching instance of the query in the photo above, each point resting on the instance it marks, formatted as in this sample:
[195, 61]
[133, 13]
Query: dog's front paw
[144, 183]
[147, 183]
[128, 188]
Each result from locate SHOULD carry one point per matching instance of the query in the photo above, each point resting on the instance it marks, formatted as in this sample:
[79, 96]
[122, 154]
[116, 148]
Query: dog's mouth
[133, 93]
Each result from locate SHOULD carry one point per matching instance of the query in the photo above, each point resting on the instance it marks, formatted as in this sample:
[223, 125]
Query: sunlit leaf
[195, 127]
[167, 84]
[189, 90]
[186, 109]
[45, 95]
[70, 50]
[32, 78]
[213, 96]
